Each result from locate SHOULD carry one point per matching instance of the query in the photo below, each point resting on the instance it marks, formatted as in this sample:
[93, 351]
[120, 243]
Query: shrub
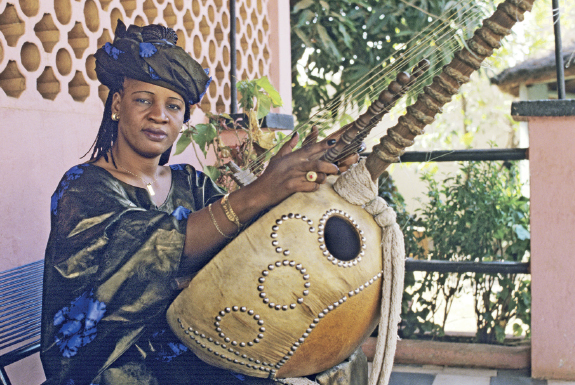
[477, 215]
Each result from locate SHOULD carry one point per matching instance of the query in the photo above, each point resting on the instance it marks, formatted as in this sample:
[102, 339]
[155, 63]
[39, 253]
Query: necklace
[148, 184]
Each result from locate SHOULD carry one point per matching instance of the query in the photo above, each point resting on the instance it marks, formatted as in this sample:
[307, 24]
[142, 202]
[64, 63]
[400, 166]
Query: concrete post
[552, 169]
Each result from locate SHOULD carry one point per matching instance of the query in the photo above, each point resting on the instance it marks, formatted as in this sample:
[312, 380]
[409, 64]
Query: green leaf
[280, 136]
[467, 139]
[302, 36]
[203, 135]
[303, 4]
[345, 119]
[213, 172]
[183, 142]
[327, 41]
[247, 89]
[274, 95]
[324, 4]
[522, 232]
[374, 19]
[323, 35]
[346, 37]
[264, 106]
[339, 16]
[305, 17]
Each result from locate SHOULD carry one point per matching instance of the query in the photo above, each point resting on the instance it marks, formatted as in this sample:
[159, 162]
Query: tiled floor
[437, 375]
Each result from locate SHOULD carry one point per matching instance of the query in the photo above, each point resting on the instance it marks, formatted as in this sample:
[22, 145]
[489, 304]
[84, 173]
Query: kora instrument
[281, 300]
[300, 289]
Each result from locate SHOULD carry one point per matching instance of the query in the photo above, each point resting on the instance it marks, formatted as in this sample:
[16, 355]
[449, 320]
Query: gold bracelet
[230, 214]
[216, 223]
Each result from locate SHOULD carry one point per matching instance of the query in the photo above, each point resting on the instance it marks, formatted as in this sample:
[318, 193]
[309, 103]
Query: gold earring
[115, 116]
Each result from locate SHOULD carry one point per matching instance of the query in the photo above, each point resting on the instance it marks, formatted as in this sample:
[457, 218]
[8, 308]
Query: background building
[51, 103]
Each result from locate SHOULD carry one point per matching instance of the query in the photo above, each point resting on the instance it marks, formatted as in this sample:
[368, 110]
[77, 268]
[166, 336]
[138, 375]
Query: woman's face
[150, 117]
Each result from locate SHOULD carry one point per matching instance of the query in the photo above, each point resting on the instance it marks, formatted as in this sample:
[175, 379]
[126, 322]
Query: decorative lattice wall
[49, 46]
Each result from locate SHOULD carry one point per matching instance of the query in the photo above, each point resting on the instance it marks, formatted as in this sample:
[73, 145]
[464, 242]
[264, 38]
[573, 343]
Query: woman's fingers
[311, 138]
[314, 151]
[309, 187]
[310, 149]
[321, 166]
[288, 147]
[288, 171]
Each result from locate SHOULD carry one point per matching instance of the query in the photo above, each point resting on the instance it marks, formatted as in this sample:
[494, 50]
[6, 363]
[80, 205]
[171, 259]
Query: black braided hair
[108, 132]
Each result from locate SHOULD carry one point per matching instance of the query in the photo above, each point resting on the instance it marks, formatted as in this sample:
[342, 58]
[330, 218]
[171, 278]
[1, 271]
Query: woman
[124, 225]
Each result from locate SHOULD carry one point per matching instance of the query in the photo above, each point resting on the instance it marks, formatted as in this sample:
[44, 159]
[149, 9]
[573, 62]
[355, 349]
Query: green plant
[334, 43]
[477, 215]
[258, 95]
[248, 141]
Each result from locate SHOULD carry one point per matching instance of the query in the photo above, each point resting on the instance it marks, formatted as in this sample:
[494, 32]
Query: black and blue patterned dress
[110, 261]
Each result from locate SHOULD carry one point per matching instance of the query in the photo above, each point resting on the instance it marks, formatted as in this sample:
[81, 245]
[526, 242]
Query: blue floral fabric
[150, 53]
[175, 349]
[205, 90]
[240, 377]
[78, 323]
[147, 50]
[169, 350]
[112, 51]
[72, 174]
[153, 73]
[177, 167]
[181, 213]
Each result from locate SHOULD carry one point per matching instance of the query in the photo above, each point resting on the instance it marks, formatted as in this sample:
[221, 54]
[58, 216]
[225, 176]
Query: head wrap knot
[150, 54]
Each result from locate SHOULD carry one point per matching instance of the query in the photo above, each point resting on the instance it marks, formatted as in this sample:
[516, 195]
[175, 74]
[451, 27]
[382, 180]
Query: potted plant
[241, 138]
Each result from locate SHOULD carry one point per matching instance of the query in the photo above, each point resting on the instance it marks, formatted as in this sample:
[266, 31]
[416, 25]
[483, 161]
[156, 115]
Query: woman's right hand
[286, 173]
[209, 229]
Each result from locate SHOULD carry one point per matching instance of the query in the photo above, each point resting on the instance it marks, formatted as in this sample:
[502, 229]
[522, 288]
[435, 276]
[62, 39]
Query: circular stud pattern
[282, 264]
[202, 341]
[240, 310]
[323, 247]
[275, 228]
[265, 278]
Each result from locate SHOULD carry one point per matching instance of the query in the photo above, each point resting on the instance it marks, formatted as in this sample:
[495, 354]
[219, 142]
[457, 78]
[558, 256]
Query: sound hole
[341, 239]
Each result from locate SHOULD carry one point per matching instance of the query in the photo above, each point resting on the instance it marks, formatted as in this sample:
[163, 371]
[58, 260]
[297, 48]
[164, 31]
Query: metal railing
[493, 154]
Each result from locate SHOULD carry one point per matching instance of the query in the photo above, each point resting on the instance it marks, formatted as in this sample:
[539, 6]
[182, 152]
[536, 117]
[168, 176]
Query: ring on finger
[311, 176]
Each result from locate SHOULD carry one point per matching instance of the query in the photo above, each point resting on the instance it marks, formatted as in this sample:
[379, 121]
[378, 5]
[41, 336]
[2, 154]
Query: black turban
[150, 54]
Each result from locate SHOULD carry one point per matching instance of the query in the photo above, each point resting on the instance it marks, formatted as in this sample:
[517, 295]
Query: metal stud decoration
[286, 283]
[321, 239]
[243, 358]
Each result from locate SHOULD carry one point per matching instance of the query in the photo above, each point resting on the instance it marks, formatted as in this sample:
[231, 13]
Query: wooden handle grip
[386, 100]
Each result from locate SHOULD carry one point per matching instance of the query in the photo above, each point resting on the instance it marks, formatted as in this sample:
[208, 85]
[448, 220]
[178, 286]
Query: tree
[336, 42]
